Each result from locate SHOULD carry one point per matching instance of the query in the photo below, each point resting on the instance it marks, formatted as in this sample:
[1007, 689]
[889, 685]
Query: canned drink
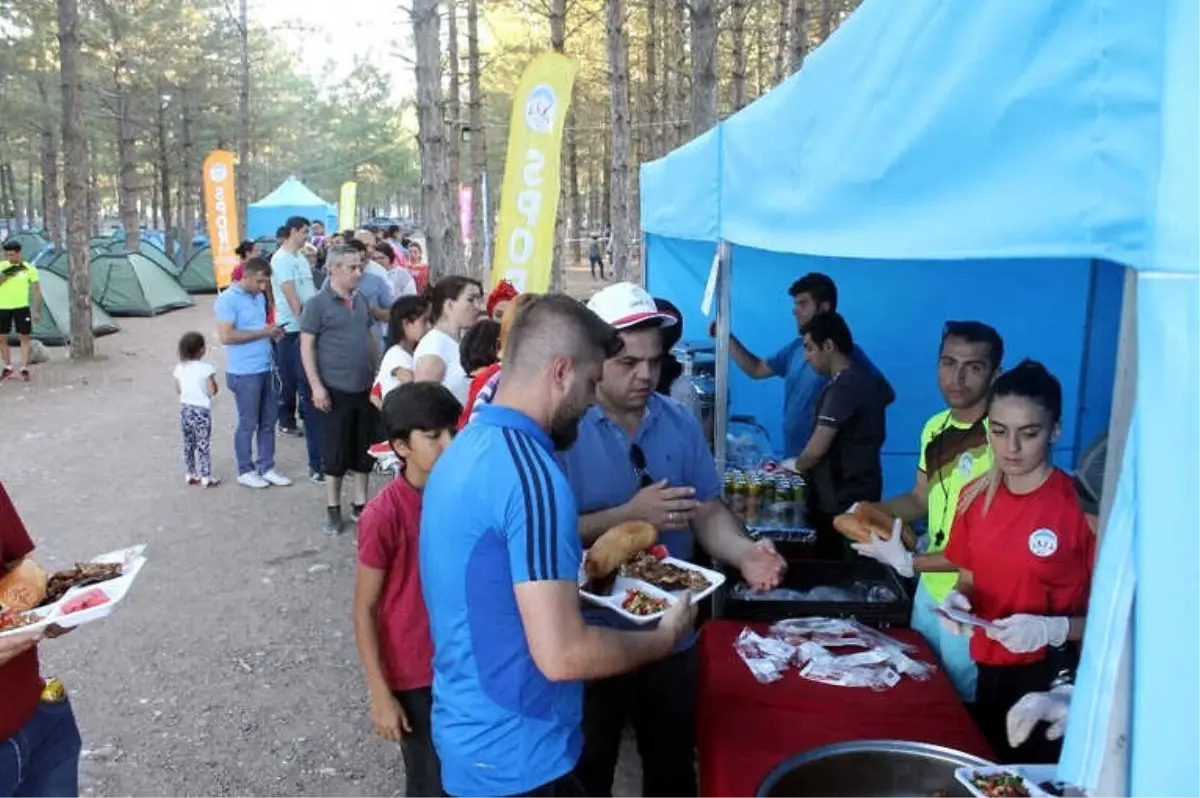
[737, 501]
[784, 498]
[753, 497]
[727, 485]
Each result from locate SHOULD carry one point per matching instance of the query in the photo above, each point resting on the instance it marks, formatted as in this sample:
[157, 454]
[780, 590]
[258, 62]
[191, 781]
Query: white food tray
[964, 776]
[132, 560]
[624, 583]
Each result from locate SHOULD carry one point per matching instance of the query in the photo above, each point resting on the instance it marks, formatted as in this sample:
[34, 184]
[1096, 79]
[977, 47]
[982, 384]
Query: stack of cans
[766, 497]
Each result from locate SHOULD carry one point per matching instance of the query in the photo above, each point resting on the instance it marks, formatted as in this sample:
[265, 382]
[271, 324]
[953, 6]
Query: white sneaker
[275, 478]
[252, 480]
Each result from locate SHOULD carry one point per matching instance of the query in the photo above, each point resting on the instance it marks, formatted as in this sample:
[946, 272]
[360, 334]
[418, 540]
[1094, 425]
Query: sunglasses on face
[640, 470]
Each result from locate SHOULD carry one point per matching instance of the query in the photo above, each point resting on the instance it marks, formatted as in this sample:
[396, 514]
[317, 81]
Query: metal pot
[871, 768]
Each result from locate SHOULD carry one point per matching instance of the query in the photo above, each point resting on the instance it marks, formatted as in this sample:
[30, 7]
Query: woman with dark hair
[1025, 553]
[454, 306]
[672, 369]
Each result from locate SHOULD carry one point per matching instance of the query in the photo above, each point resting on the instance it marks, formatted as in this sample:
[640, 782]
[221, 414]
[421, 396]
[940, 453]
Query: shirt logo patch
[1043, 542]
[966, 464]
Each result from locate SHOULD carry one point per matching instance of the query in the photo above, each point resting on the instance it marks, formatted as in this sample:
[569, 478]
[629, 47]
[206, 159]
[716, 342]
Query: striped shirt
[497, 512]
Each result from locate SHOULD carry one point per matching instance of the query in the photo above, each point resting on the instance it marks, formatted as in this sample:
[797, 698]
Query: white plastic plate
[45, 616]
[613, 602]
[132, 559]
[965, 776]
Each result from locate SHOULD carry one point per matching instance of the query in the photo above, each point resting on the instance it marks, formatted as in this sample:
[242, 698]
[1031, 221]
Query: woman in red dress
[1025, 552]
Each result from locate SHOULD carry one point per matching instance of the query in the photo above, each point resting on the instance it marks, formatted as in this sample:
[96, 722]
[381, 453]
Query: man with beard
[812, 294]
[954, 451]
[642, 456]
[500, 556]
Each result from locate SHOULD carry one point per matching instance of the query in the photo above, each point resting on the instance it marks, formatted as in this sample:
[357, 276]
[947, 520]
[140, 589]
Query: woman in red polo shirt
[39, 740]
[1025, 552]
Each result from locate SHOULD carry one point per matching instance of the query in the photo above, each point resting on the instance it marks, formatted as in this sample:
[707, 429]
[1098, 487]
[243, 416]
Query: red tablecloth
[744, 729]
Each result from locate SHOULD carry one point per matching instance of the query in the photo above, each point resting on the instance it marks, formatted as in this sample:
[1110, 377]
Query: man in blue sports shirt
[500, 556]
[811, 295]
[641, 456]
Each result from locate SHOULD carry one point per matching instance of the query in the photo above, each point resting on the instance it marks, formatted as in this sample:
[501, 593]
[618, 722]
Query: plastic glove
[1033, 708]
[956, 601]
[889, 552]
[1024, 634]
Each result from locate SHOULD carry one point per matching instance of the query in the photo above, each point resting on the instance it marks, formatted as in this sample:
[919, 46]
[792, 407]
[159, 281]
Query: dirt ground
[231, 668]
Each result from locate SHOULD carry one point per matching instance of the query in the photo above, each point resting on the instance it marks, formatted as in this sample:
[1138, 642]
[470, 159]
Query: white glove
[1024, 634]
[889, 552]
[1034, 708]
[956, 601]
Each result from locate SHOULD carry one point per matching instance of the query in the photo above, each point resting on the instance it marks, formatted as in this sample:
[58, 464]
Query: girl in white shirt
[196, 385]
[454, 305]
[407, 325]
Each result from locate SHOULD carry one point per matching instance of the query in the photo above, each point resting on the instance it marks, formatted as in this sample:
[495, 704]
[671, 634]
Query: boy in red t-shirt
[390, 621]
[39, 739]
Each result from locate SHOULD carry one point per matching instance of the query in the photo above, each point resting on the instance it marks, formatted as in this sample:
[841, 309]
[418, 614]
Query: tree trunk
[453, 101]
[654, 104]
[6, 205]
[93, 190]
[478, 145]
[606, 185]
[760, 50]
[558, 41]
[188, 190]
[431, 138]
[618, 198]
[825, 23]
[571, 159]
[164, 178]
[678, 90]
[155, 192]
[75, 180]
[738, 36]
[799, 31]
[30, 167]
[704, 65]
[242, 189]
[127, 156]
[781, 39]
[51, 206]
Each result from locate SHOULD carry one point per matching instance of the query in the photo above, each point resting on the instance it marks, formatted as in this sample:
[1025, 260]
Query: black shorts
[21, 318]
[347, 432]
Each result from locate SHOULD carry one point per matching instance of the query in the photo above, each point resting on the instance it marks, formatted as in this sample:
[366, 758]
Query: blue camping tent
[292, 198]
[1019, 163]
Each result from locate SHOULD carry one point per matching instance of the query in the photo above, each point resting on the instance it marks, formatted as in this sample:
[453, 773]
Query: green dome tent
[31, 244]
[152, 252]
[198, 276]
[134, 285]
[53, 328]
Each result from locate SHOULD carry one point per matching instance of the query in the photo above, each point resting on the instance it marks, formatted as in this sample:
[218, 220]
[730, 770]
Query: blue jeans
[291, 367]
[953, 651]
[42, 759]
[288, 380]
[257, 408]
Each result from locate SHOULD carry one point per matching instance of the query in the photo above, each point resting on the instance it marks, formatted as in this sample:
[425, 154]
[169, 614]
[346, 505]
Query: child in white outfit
[196, 384]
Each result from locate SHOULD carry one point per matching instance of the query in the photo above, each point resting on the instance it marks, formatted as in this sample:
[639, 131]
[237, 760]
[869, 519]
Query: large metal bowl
[871, 768]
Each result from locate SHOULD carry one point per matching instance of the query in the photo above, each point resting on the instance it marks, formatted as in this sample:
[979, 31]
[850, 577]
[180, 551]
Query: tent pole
[1114, 765]
[724, 330]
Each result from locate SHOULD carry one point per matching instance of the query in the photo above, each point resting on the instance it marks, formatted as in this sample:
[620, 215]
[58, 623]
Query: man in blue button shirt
[500, 559]
[242, 327]
[643, 456]
[812, 294]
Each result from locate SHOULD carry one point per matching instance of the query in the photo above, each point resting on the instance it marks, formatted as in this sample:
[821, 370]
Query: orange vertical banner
[220, 207]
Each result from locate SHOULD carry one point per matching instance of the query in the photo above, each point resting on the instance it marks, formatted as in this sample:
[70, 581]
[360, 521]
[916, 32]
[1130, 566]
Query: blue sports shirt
[497, 512]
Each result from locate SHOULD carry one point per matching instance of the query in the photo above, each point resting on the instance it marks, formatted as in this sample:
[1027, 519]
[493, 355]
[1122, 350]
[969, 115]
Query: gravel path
[231, 668]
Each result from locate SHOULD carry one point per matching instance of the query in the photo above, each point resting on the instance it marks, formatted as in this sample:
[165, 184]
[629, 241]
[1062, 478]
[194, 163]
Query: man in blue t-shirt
[500, 559]
[812, 294]
[641, 456]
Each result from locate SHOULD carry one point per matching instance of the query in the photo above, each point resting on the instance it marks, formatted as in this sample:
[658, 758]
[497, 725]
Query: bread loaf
[23, 587]
[866, 519]
[612, 549]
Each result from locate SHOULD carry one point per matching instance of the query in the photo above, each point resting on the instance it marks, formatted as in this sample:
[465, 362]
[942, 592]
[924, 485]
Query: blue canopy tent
[1030, 164]
[291, 198]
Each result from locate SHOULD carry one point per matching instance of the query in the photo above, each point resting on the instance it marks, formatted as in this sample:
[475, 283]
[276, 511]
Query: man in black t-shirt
[849, 427]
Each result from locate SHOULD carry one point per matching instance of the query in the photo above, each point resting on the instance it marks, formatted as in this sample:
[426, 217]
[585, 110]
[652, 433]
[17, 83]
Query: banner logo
[540, 108]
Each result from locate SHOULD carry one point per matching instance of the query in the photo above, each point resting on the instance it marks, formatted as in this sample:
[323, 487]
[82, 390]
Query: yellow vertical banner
[529, 202]
[220, 207]
[347, 206]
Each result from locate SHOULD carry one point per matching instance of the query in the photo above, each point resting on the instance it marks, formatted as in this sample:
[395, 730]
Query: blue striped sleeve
[541, 525]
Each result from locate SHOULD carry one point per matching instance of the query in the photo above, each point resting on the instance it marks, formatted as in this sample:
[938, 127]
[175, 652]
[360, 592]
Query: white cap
[624, 304]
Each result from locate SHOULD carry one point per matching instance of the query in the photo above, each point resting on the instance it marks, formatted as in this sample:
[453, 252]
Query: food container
[805, 575]
[86, 603]
[967, 775]
[871, 768]
[624, 583]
